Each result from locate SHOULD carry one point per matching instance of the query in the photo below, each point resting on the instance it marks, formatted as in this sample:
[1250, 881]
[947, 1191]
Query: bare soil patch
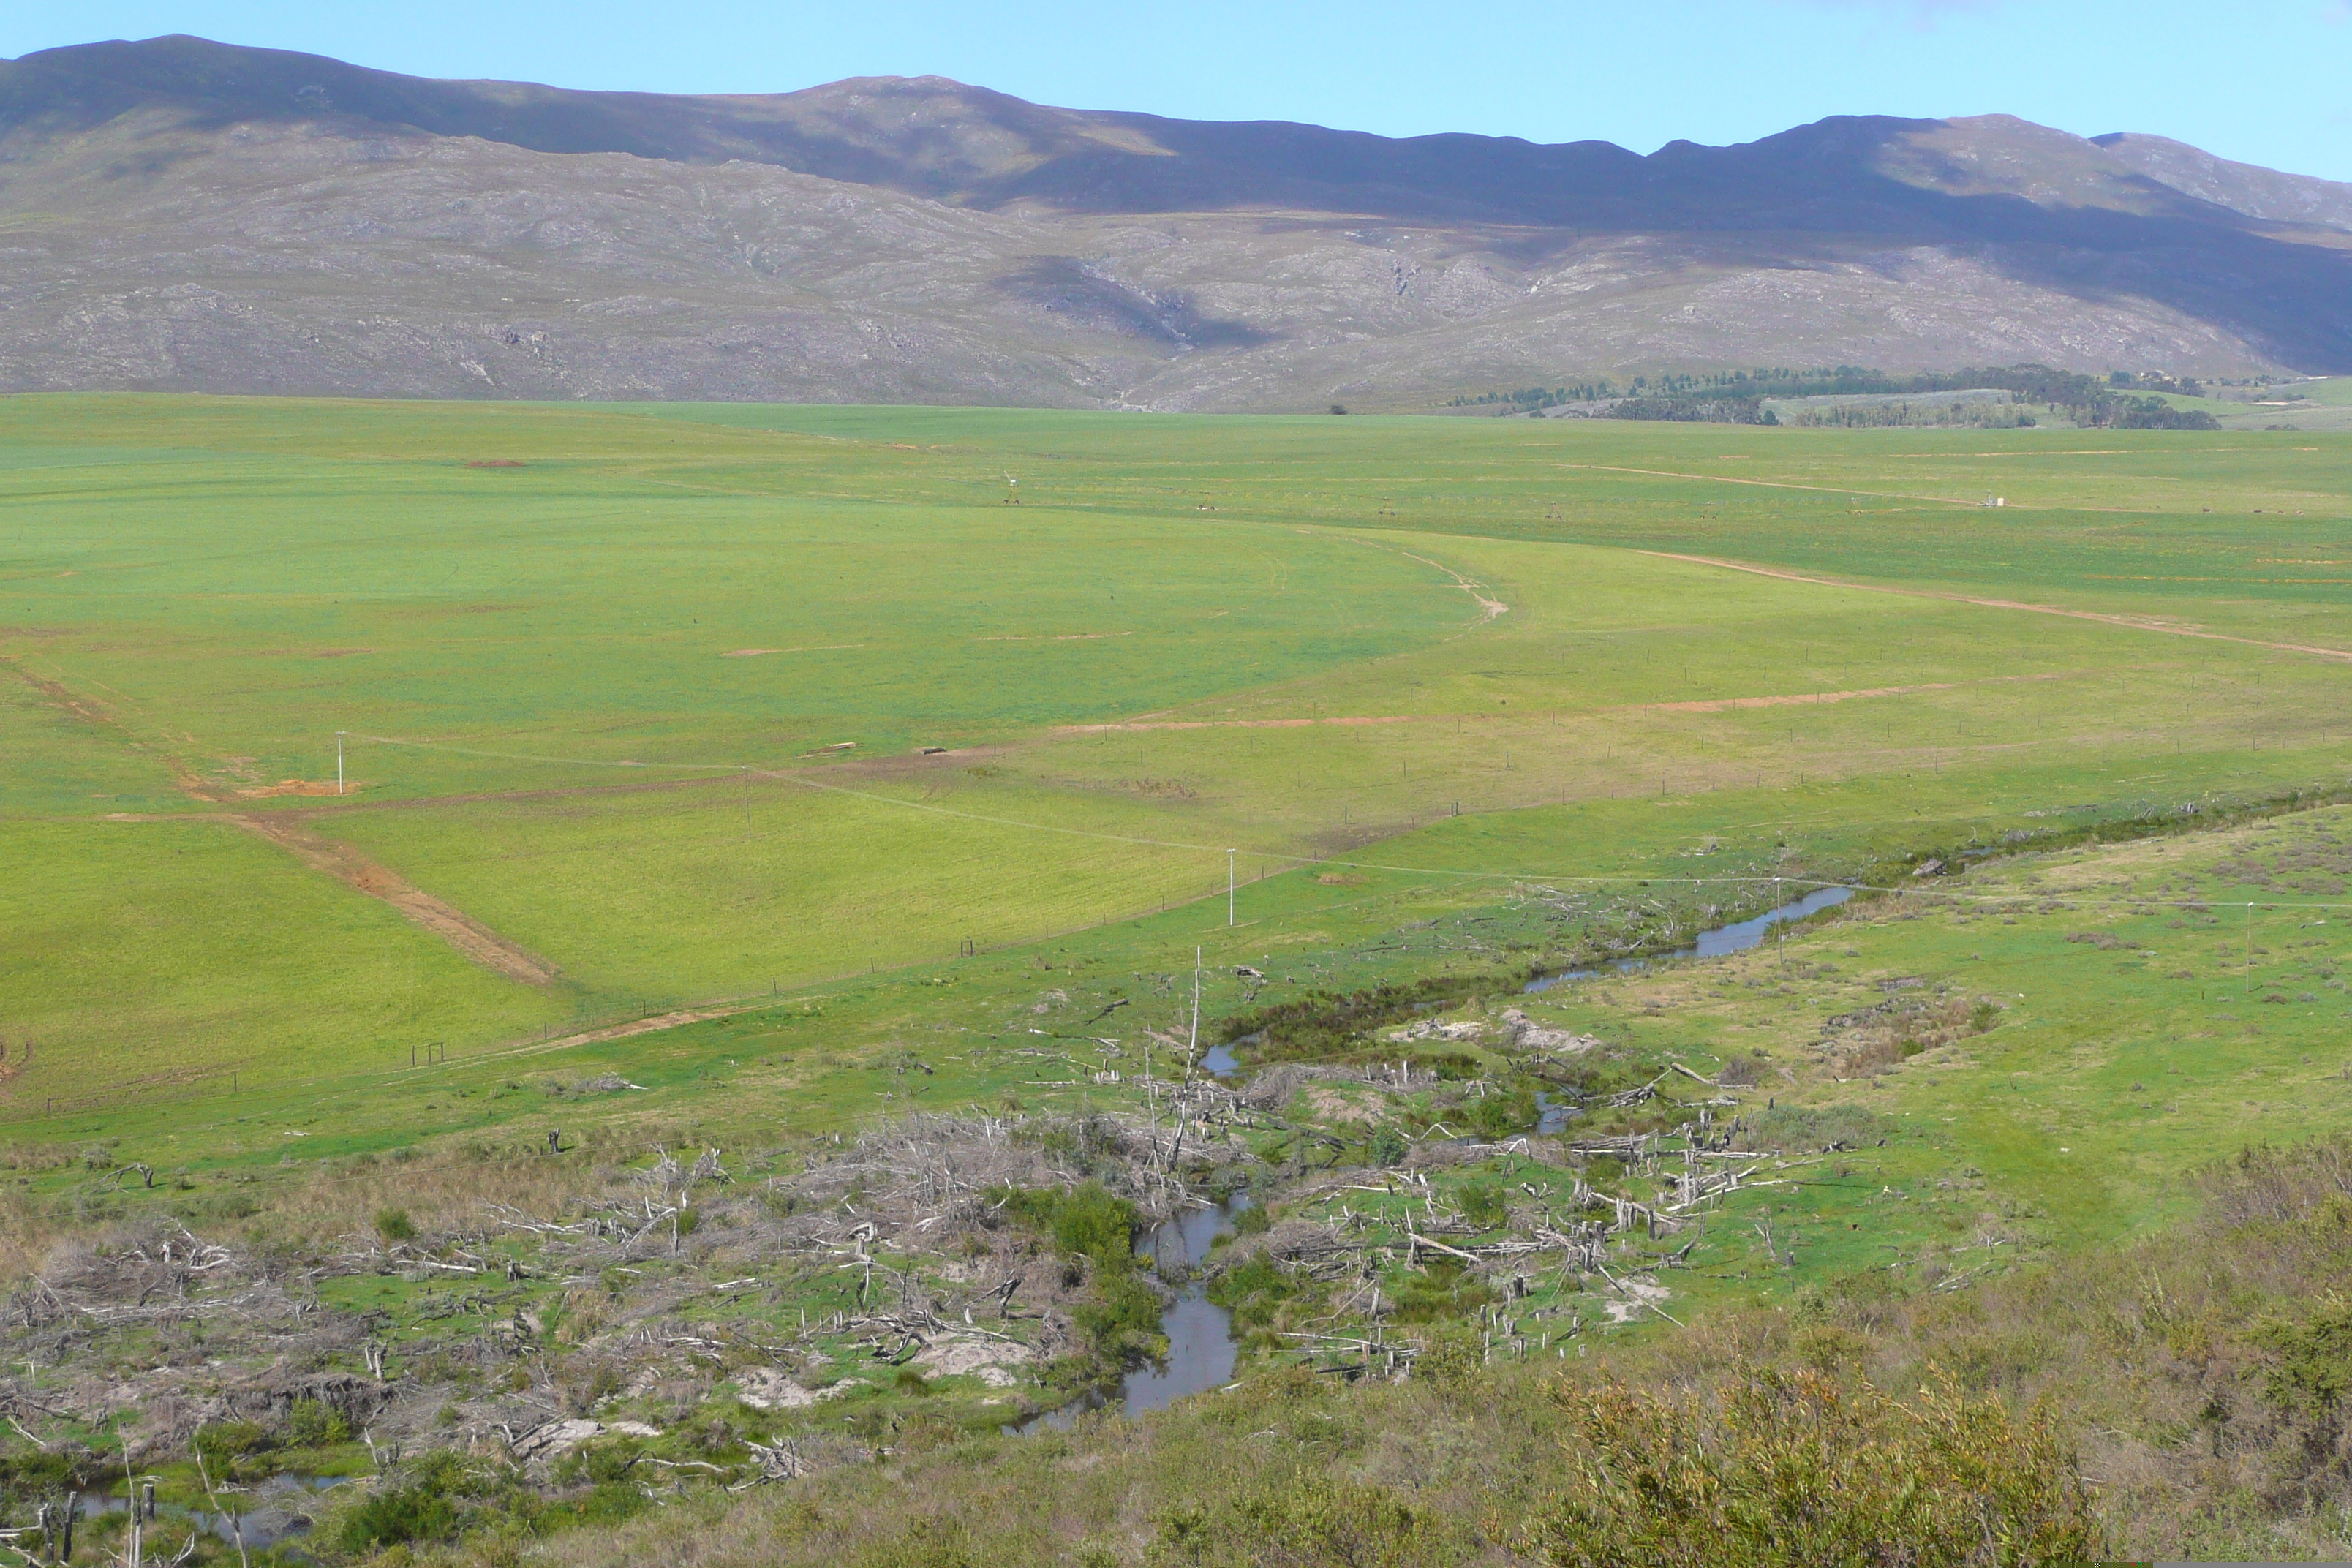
[1720, 704]
[301, 787]
[654, 1024]
[453, 925]
[1242, 724]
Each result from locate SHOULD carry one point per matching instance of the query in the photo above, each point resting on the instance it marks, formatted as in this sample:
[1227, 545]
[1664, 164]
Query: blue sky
[2264, 83]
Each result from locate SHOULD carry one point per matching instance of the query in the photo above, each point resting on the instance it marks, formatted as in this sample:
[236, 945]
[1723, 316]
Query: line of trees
[2119, 401]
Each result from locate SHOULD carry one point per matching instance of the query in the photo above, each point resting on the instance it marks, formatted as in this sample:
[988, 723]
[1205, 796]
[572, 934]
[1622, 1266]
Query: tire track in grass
[476, 940]
[2131, 623]
[419, 908]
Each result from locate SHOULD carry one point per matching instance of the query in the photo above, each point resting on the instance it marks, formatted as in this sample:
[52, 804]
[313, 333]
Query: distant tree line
[1695, 410]
[2119, 401]
[1533, 397]
[2032, 382]
[1926, 413]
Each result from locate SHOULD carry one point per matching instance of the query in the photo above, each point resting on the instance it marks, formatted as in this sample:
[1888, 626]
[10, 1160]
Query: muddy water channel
[268, 1513]
[1201, 1349]
[1713, 943]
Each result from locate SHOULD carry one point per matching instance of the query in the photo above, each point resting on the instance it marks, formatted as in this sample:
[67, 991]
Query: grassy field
[593, 664]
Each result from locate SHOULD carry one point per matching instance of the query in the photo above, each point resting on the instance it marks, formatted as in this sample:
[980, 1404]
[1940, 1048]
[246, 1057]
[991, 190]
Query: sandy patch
[1333, 1106]
[1245, 723]
[1639, 1296]
[301, 786]
[812, 648]
[769, 1388]
[622, 1031]
[1530, 1035]
[1058, 637]
[983, 1359]
[1717, 705]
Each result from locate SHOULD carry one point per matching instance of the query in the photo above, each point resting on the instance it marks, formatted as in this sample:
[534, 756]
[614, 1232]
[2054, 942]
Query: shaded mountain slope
[178, 213]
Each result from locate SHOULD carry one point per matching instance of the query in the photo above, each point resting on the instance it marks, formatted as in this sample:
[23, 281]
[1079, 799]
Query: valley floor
[693, 1070]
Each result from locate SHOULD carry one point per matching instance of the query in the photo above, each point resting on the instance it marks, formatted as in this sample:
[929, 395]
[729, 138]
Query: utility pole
[339, 761]
[1228, 887]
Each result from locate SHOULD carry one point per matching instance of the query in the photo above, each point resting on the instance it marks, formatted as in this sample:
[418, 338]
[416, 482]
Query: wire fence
[623, 1016]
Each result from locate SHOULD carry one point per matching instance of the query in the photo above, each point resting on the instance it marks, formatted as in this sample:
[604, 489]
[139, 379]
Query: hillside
[182, 215]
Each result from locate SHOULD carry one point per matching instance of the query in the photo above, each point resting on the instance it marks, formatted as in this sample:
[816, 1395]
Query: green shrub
[1484, 1204]
[314, 1423]
[1388, 1148]
[1790, 1469]
[1122, 1319]
[2310, 1362]
[422, 1507]
[1451, 1355]
[1502, 1115]
[1083, 1221]
[27, 1475]
[232, 1447]
[1439, 1294]
[1254, 1291]
[393, 1224]
[608, 1502]
[1325, 1023]
[926, 1543]
[1310, 1523]
[608, 1463]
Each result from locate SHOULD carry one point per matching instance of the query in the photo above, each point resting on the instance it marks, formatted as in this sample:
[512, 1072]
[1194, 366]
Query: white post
[338, 762]
[1228, 887]
[1192, 1048]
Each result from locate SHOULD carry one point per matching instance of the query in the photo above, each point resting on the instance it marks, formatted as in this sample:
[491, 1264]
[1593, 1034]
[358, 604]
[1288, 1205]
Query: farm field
[594, 664]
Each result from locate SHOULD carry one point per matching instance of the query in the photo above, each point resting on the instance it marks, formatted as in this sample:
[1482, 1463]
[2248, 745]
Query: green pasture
[2139, 522]
[1275, 636]
[2161, 1004]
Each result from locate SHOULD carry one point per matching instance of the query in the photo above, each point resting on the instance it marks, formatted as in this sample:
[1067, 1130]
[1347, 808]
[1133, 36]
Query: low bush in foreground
[1790, 1468]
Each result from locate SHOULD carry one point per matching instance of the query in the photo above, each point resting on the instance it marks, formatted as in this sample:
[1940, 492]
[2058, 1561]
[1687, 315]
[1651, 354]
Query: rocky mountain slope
[177, 213]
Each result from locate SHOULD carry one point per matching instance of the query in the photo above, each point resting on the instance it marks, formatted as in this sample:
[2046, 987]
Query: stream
[268, 1511]
[1201, 1349]
[1713, 944]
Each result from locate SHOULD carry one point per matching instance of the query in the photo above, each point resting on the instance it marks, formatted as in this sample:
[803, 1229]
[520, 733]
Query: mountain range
[177, 213]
